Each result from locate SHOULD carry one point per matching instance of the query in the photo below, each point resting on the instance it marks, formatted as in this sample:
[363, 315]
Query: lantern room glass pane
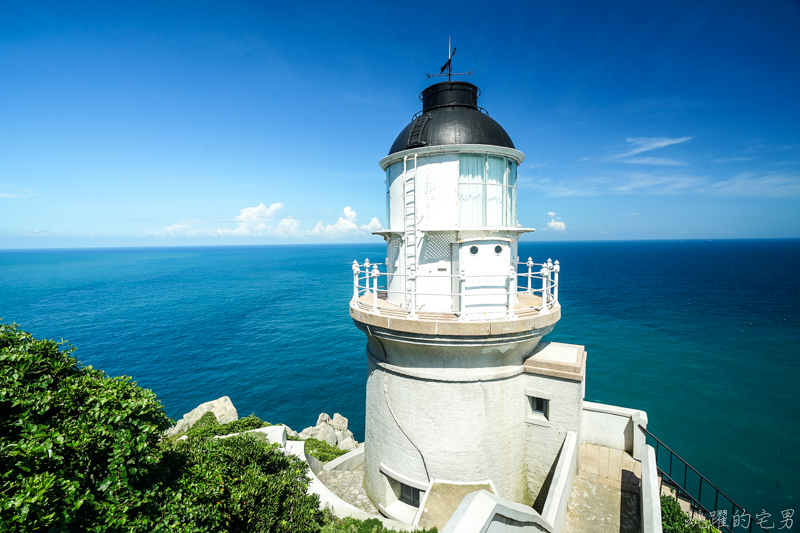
[388, 197]
[471, 190]
[511, 194]
[494, 191]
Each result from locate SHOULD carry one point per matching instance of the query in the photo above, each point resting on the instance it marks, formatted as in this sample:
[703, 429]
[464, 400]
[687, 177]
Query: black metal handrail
[722, 521]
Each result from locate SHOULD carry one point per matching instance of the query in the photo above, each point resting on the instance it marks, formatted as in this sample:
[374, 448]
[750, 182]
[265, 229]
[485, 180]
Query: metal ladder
[410, 226]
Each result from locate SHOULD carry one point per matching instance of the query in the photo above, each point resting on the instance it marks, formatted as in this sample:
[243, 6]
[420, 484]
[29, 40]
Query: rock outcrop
[222, 408]
[333, 431]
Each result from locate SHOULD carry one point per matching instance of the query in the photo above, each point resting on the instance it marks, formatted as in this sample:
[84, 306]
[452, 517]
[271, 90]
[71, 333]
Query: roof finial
[449, 65]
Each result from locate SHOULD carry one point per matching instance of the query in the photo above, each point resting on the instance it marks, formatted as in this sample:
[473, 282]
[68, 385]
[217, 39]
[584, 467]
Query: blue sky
[148, 124]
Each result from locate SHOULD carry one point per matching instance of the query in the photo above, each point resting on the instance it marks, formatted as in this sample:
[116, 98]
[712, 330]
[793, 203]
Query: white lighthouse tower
[460, 390]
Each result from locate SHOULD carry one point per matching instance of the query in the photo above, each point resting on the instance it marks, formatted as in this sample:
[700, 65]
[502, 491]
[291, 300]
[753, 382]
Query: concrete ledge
[482, 512]
[537, 420]
[274, 434]
[556, 359]
[650, 500]
[555, 506]
[421, 485]
[400, 512]
[614, 427]
[327, 498]
[460, 375]
[473, 328]
[348, 461]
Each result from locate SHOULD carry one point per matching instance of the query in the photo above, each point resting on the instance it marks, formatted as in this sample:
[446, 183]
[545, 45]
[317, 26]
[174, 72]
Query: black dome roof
[450, 115]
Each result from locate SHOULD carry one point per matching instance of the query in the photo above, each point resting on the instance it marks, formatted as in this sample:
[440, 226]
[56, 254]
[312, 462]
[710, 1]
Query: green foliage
[208, 426]
[322, 450]
[78, 449]
[82, 451]
[241, 483]
[674, 520]
[353, 525]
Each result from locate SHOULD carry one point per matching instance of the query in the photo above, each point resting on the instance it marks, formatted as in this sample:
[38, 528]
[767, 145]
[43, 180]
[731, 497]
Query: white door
[486, 264]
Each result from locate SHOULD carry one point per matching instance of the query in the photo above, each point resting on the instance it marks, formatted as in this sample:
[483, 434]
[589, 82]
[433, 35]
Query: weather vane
[449, 65]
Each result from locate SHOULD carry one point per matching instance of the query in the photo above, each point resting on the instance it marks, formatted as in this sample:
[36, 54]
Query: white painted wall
[469, 428]
[545, 439]
[614, 427]
[555, 507]
[650, 500]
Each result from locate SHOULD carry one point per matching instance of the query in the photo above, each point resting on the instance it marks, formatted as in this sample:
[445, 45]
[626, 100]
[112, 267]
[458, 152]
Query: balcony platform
[394, 317]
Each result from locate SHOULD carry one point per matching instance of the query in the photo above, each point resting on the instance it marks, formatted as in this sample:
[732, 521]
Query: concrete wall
[614, 427]
[545, 438]
[330, 500]
[348, 461]
[484, 512]
[650, 500]
[470, 428]
[555, 507]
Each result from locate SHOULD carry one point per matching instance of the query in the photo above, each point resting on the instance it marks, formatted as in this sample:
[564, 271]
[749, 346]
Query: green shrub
[207, 426]
[353, 525]
[78, 449]
[674, 520]
[241, 483]
[81, 451]
[322, 450]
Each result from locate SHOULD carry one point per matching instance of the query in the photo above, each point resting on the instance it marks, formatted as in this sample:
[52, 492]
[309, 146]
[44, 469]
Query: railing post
[462, 296]
[530, 275]
[355, 281]
[510, 284]
[412, 277]
[556, 270]
[549, 280]
[375, 274]
[366, 277]
[545, 277]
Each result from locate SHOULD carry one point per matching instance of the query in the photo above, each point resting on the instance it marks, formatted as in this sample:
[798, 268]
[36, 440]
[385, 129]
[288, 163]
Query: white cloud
[660, 161]
[176, 228]
[287, 227]
[551, 214]
[645, 144]
[777, 184]
[733, 159]
[252, 220]
[14, 192]
[374, 225]
[346, 226]
[557, 225]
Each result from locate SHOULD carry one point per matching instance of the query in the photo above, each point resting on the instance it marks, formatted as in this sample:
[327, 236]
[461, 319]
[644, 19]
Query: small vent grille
[415, 135]
[392, 253]
[436, 246]
[481, 234]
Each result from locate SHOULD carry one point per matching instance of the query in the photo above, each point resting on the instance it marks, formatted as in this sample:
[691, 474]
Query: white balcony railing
[370, 286]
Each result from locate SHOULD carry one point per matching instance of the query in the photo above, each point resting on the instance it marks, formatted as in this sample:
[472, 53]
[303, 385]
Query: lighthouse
[461, 389]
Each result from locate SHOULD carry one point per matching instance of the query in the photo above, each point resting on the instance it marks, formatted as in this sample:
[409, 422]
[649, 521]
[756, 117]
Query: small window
[409, 495]
[498, 249]
[473, 250]
[540, 406]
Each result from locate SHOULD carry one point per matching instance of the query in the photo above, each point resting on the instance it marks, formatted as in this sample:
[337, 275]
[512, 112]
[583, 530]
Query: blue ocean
[703, 335]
